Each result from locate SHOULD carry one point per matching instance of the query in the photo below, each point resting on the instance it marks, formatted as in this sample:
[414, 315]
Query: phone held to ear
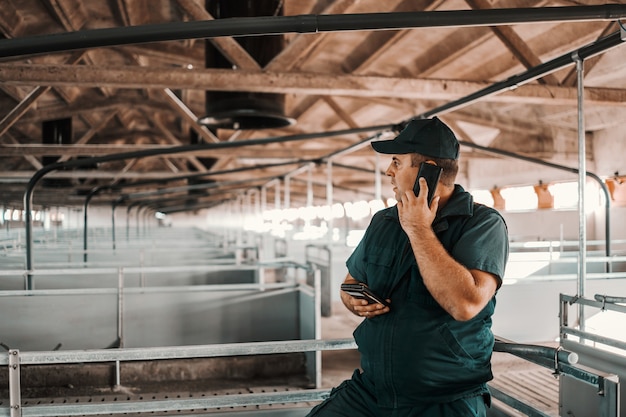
[363, 292]
[431, 173]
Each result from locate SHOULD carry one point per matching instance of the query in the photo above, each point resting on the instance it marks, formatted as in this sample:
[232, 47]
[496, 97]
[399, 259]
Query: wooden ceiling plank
[71, 13]
[21, 108]
[81, 107]
[31, 159]
[302, 44]
[27, 102]
[169, 136]
[15, 93]
[182, 110]
[570, 79]
[168, 53]
[12, 23]
[123, 12]
[228, 46]
[90, 133]
[515, 43]
[296, 83]
[457, 46]
[246, 152]
[392, 38]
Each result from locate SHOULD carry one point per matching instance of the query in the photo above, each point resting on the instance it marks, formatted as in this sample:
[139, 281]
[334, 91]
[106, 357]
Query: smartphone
[363, 292]
[431, 173]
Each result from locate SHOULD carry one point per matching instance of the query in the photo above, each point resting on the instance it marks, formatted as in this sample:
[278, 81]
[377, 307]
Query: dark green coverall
[417, 360]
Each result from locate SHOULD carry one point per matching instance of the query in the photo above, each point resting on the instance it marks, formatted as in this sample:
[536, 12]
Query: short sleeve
[484, 243]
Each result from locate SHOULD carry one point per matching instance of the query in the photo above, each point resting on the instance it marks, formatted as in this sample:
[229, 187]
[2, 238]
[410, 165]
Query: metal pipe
[85, 218]
[273, 25]
[582, 163]
[113, 207]
[88, 198]
[609, 299]
[525, 351]
[329, 199]
[130, 206]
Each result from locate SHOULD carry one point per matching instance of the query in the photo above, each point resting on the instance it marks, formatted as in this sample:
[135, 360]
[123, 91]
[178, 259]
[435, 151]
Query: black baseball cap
[428, 137]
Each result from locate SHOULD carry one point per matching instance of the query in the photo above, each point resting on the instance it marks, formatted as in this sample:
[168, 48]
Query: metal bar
[582, 164]
[271, 25]
[85, 218]
[236, 400]
[181, 352]
[609, 299]
[595, 338]
[580, 300]
[120, 307]
[146, 290]
[15, 401]
[523, 350]
[584, 375]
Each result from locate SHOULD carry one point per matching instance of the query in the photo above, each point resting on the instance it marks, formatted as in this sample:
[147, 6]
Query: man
[428, 353]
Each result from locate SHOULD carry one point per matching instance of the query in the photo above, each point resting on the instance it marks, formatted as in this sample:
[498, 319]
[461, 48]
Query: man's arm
[462, 292]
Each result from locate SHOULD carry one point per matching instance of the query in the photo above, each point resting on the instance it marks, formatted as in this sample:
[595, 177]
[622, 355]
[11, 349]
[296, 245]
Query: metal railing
[14, 359]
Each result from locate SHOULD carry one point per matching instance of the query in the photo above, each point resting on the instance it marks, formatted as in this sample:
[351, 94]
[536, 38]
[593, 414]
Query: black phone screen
[431, 173]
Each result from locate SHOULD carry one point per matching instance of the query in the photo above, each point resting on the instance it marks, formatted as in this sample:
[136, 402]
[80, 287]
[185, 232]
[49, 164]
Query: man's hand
[359, 306]
[414, 213]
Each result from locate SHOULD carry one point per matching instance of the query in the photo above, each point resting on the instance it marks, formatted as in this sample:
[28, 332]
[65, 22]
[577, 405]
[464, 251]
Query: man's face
[402, 174]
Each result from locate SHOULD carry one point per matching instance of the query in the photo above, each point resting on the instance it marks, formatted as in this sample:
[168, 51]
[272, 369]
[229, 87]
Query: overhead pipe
[276, 25]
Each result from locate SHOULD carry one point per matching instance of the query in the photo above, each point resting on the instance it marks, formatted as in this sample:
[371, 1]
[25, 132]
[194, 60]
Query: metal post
[85, 218]
[329, 198]
[582, 219]
[610, 397]
[113, 206]
[287, 192]
[120, 322]
[128, 221]
[15, 400]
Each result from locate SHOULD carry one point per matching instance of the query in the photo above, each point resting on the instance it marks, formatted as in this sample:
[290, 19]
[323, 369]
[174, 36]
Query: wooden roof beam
[296, 83]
